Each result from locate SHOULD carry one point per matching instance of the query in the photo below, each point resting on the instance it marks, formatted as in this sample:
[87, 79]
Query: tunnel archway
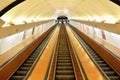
[62, 19]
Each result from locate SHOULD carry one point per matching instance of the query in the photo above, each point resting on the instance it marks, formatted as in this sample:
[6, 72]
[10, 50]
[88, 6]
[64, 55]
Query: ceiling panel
[5, 3]
[95, 10]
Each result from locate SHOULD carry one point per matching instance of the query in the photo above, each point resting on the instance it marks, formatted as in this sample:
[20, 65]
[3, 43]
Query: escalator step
[100, 62]
[33, 56]
[98, 59]
[65, 77]
[21, 73]
[103, 65]
[64, 64]
[63, 55]
[63, 48]
[24, 68]
[63, 51]
[91, 51]
[106, 68]
[64, 67]
[64, 61]
[27, 65]
[64, 72]
[110, 73]
[114, 77]
[17, 77]
[96, 56]
[29, 61]
[63, 58]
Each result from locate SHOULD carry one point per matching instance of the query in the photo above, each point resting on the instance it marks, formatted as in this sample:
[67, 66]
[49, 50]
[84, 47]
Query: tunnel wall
[101, 36]
[12, 41]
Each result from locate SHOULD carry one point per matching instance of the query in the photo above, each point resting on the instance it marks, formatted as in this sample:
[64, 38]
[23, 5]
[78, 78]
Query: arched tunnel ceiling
[34, 10]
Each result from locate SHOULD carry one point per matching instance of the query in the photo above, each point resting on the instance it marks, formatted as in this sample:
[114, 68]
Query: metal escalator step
[91, 50]
[65, 77]
[64, 61]
[62, 45]
[63, 48]
[110, 73]
[106, 68]
[27, 65]
[96, 56]
[37, 51]
[100, 62]
[64, 72]
[103, 65]
[64, 64]
[114, 77]
[64, 55]
[64, 58]
[29, 61]
[31, 58]
[63, 51]
[24, 68]
[21, 73]
[17, 77]
[98, 59]
[64, 67]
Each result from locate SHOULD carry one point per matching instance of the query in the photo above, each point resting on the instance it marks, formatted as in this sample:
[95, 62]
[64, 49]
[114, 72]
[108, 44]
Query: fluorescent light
[110, 19]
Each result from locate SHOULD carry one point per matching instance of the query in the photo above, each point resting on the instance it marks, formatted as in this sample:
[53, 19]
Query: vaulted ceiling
[36, 10]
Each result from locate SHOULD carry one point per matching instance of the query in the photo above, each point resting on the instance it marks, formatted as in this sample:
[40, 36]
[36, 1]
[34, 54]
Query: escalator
[64, 66]
[25, 69]
[105, 69]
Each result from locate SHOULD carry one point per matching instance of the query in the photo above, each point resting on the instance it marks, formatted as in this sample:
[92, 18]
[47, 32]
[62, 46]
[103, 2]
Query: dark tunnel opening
[62, 19]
